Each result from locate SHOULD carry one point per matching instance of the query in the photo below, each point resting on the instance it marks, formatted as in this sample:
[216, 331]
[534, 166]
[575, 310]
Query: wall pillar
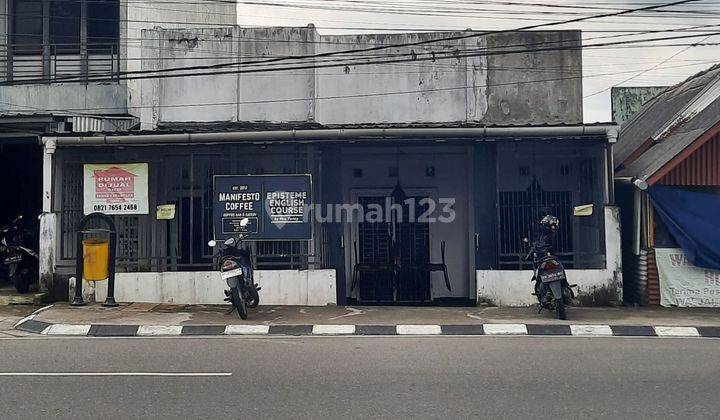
[48, 219]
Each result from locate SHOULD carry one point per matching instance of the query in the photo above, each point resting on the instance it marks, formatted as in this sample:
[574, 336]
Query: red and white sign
[116, 188]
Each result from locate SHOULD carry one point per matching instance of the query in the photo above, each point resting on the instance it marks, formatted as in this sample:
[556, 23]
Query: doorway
[392, 252]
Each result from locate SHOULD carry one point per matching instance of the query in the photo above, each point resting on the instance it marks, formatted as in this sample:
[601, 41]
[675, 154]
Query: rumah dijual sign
[275, 206]
[115, 188]
[683, 284]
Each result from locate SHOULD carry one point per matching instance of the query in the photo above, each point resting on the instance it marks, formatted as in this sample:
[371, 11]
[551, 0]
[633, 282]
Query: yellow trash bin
[95, 259]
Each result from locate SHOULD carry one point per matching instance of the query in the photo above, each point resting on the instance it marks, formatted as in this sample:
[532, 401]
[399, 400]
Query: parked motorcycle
[551, 286]
[20, 262]
[237, 270]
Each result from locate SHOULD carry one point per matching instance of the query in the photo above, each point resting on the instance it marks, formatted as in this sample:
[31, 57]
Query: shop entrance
[393, 254]
[21, 173]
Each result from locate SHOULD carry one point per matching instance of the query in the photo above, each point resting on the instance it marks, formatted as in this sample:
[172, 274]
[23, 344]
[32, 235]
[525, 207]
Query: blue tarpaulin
[693, 220]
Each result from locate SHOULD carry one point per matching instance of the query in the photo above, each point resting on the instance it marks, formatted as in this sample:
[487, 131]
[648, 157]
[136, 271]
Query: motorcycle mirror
[212, 243]
[230, 242]
[244, 222]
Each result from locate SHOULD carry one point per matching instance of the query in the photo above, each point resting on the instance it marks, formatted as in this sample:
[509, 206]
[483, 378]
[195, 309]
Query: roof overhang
[608, 132]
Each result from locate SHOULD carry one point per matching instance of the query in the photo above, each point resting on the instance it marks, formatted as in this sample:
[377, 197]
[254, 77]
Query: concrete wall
[595, 287]
[285, 287]
[537, 87]
[93, 98]
[626, 101]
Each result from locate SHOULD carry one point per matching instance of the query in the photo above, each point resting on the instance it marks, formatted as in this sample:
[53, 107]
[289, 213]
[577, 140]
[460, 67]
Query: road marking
[505, 329]
[115, 373]
[333, 329]
[247, 329]
[676, 332]
[418, 329]
[591, 330]
[151, 330]
[66, 329]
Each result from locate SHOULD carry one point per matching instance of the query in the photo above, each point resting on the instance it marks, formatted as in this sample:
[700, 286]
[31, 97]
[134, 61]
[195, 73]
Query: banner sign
[684, 285]
[274, 204]
[115, 188]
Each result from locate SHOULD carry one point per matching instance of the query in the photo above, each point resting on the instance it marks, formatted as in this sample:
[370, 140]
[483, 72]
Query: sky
[646, 64]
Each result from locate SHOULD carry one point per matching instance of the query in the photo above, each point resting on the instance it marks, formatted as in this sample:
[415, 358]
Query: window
[553, 178]
[27, 26]
[65, 26]
[103, 27]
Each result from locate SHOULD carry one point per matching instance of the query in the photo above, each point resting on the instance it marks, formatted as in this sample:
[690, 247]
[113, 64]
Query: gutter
[640, 184]
[359, 134]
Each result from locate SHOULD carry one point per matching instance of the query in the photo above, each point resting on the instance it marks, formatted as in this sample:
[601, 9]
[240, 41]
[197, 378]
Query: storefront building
[417, 181]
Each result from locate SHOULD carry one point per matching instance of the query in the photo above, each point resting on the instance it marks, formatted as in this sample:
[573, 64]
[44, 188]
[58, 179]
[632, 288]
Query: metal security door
[396, 253]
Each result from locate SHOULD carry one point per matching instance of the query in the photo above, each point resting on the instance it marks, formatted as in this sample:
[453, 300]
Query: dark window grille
[147, 244]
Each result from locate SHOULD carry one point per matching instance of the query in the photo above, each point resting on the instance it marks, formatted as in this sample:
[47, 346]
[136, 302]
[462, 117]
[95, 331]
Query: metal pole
[78, 299]
[110, 299]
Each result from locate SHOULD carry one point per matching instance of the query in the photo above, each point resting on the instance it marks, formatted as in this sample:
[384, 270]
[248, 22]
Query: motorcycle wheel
[239, 302]
[253, 298]
[21, 281]
[560, 309]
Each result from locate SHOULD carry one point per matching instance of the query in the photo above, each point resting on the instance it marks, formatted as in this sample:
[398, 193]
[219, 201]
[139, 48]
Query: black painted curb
[108, 330]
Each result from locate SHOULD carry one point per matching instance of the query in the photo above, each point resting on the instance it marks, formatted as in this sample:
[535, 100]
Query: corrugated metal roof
[656, 114]
[682, 136]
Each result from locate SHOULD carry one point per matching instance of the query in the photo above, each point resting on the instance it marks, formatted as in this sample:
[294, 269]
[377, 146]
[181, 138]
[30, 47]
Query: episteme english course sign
[275, 205]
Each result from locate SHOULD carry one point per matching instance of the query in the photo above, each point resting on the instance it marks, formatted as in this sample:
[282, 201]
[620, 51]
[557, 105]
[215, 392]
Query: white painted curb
[65, 329]
[247, 329]
[418, 329]
[505, 329]
[676, 332]
[319, 329]
[591, 330]
[152, 330]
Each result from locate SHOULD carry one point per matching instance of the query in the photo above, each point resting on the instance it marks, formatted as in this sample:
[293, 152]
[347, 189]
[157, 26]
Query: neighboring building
[500, 142]
[71, 41]
[672, 146]
[626, 101]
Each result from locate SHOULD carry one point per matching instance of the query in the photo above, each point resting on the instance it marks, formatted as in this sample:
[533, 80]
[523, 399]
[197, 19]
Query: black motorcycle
[551, 286]
[237, 270]
[20, 263]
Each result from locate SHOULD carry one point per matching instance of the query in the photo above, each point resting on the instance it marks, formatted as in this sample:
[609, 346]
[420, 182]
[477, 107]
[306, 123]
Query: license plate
[13, 259]
[551, 277]
[232, 273]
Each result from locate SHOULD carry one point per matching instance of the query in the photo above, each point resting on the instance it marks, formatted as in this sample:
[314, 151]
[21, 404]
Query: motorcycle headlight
[228, 265]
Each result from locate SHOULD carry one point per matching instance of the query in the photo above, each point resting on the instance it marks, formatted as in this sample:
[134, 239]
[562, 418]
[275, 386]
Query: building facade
[426, 164]
[668, 184]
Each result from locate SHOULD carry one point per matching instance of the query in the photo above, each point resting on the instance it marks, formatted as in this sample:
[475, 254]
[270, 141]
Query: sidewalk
[11, 315]
[180, 315]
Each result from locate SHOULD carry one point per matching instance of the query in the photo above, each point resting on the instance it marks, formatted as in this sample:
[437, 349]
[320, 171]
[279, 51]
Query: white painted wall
[279, 287]
[513, 288]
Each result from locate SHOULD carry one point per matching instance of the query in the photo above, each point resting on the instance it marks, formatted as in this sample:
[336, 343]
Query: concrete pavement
[360, 377]
[166, 314]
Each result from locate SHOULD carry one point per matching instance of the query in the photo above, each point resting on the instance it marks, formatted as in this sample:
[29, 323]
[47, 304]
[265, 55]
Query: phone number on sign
[115, 207]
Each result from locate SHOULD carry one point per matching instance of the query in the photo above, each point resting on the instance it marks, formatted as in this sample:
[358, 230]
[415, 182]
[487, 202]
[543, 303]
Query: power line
[321, 98]
[409, 57]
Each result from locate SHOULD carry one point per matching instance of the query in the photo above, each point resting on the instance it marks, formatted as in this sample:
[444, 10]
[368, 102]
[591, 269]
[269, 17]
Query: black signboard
[275, 205]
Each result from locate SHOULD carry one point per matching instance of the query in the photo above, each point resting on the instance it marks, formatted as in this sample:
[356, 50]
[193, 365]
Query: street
[360, 377]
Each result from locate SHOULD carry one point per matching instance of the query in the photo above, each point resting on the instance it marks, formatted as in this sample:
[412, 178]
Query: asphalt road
[362, 377]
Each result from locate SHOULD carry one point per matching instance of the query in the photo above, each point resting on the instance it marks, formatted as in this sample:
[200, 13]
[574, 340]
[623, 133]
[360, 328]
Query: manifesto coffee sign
[275, 205]
[115, 188]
